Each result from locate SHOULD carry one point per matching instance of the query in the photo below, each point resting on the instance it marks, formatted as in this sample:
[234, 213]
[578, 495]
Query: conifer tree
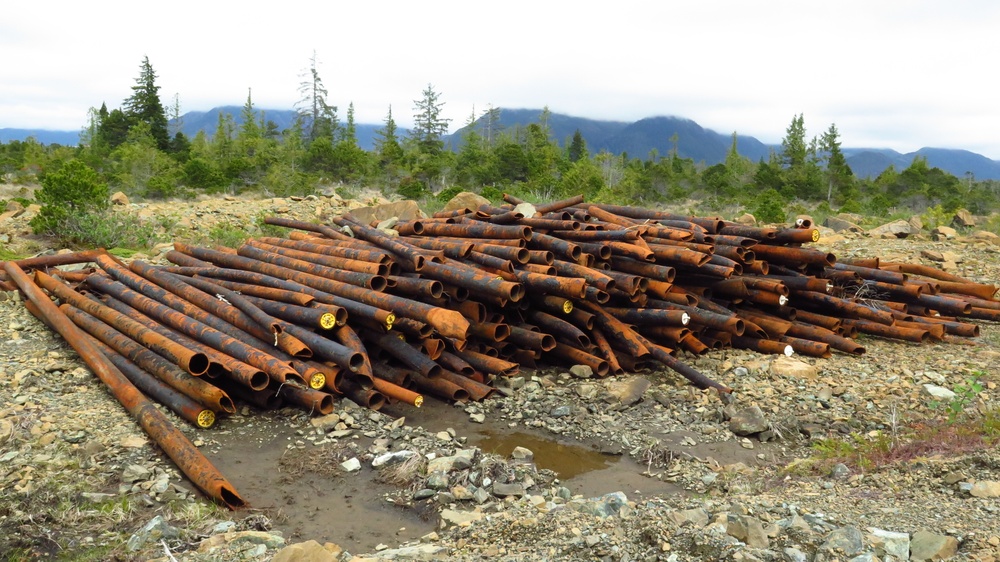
[144, 105]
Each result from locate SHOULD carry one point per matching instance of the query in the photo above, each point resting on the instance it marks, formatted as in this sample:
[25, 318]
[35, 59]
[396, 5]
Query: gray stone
[788, 367]
[560, 411]
[522, 454]
[136, 473]
[437, 480]
[452, 517]
[629, 391]
[480, 495]
[503, 490]
[925, 545]
[604, 506]
[582, 371]
[587, 391]
[402, 210]
[845, 541]
[748, 530]
[889, 543]
[939, 392]
[865, 557]
[794, 555]
[697, 517]
[840, 471]
[423, 494]
[156, 529]
[748, 421]
[448, 464]
[416, 552]
[392, 457]
[351, 465]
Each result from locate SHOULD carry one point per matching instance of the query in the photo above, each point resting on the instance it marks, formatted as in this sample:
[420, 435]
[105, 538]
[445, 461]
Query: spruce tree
[144, 105]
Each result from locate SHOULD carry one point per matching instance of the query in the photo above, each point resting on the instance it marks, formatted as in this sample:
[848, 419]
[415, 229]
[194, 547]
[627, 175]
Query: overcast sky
[894, 74]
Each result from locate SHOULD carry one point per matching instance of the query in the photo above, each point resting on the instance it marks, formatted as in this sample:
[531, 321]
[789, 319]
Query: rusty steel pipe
[843, 308]
[456, 364]
[794, 236]
[559, 328]
[475, 280]
[440, 386]
[555, 245]
[591, 276]
[569, 353]
[476, 229]
[239, 371]
[363, 280]
[396, 392]
[327, 317]
[382, 240]
[357, 310]
[476, 390]
[276, 369]
[320, 246]
[696, 378]
[193, 362]
[531, 339]
[185, 455]
[761, 345]
[487, 364]
[309, 399]
[894, 332]
[181, 404]
[264, 293]
[820, 334]
[194, 388]
[644, 269]
[808, 347]
[344, 265]
[447, 322]
[405, 353]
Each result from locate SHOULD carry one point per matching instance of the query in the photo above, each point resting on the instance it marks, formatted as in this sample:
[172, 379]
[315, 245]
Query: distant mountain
[636, 139]
[208, 121]
[65, 138]
[869, 162]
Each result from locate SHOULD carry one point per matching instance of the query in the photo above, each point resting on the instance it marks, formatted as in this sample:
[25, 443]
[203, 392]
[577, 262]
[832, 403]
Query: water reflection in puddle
[566, 460]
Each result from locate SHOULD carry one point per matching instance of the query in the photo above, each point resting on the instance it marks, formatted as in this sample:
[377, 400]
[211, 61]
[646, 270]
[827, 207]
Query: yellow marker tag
[418, 401]
[206, 418]
[815, 236]
[317, 381]
[567, 306]
[327, 321]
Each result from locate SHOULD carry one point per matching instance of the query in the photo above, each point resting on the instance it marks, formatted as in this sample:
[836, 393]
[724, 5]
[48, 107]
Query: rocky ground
[847, 458]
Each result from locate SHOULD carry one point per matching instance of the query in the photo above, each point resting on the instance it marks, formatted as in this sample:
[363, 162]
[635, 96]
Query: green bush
[106, 229]
[769, 207]
[412, 188]
[448, 193]
[73, 190]
[493, 193]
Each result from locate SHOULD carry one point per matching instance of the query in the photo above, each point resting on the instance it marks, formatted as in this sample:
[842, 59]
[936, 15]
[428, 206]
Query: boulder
[309, 551]
[889, 543]
[402, 210]
[788, 367]
[963, 218]
[630, 390]
[465, 200]
[985, 489]
[944, 233]
[748, 421]
[747, 219]
[119, 198]
[894, 229]
[838, 224]
[926, 545]
[916, 222]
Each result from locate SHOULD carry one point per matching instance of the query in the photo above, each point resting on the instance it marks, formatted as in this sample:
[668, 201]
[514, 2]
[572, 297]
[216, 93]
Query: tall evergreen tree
[144, 105]
[427, 137]
[387, 146]
[319, 119]
[839, 176]
[577, 147]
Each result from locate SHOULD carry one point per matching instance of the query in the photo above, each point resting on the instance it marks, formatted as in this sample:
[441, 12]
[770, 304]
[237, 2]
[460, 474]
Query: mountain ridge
[637, 139]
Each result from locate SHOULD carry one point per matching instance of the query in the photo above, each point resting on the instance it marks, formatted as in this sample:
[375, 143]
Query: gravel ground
[855, 461]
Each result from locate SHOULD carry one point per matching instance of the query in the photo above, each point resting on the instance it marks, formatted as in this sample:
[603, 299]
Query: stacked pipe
[445, 305]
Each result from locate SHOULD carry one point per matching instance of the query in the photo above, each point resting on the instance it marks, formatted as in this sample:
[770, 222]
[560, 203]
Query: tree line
[136, 149]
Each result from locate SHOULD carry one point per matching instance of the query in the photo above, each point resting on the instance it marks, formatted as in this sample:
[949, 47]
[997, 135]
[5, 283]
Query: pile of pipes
[445, 305]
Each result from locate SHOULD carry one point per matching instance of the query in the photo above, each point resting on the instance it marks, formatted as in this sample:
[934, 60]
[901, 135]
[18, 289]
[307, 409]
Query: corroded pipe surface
[175, 444]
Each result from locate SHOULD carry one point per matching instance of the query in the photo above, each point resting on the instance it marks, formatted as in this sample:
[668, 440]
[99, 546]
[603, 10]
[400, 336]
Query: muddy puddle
[306, 499]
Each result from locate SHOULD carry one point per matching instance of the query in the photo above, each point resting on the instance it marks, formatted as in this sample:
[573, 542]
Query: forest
[136, 149]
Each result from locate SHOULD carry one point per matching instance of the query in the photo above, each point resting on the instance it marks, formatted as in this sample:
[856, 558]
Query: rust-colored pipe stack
[448, 304]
